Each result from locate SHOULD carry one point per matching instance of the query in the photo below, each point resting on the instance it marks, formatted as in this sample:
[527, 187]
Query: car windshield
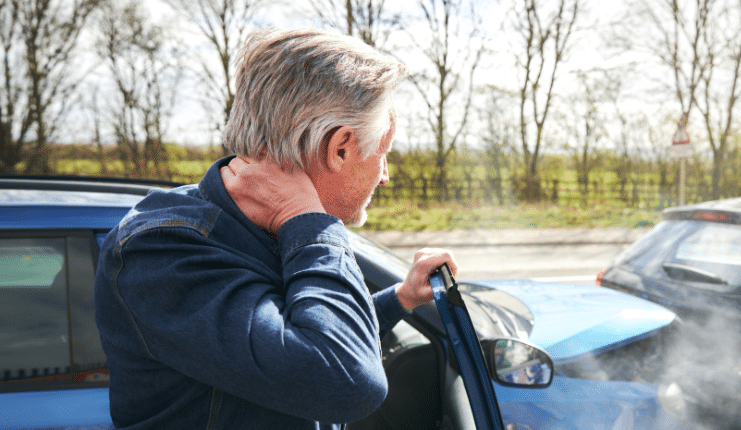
[705, 253]
[494, 313]
[510, 316]
[379, 254]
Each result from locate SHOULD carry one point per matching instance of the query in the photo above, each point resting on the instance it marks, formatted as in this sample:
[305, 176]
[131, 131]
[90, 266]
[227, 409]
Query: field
[408, 204]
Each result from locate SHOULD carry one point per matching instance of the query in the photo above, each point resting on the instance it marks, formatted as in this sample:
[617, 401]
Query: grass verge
[406, 216]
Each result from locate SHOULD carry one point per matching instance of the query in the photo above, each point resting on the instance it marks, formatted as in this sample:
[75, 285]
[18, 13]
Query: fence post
[554, 193]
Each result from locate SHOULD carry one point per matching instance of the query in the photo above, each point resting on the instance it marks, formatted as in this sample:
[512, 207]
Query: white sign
[681, 147]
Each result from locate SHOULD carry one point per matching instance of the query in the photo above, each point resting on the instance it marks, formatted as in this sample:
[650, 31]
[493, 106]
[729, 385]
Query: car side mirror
[515, 363]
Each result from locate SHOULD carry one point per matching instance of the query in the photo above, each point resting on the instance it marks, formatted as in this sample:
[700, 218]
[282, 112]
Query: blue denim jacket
[208, 323]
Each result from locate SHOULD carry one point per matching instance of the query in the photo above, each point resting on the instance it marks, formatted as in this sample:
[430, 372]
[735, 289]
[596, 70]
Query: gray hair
[295, 87]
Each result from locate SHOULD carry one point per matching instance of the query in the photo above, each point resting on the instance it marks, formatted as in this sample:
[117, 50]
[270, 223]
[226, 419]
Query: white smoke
[701, 382]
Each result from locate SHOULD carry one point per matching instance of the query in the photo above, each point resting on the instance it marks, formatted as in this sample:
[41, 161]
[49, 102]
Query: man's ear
[341, 143]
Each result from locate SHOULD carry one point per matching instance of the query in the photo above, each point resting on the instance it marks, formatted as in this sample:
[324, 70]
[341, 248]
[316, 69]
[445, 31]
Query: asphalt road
[558, 255]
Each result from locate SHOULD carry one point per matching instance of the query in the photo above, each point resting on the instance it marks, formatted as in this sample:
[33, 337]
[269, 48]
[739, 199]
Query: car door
[467, 350]
[52, 368]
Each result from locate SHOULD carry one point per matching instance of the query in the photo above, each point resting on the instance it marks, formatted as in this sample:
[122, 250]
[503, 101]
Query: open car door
[467, 350]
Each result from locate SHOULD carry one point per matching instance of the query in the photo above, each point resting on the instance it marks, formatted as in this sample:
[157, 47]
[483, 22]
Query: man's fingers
[280, 196]
[428, 259]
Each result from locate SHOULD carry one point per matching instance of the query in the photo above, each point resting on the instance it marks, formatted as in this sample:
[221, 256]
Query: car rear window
[715, 243]
[711, 248]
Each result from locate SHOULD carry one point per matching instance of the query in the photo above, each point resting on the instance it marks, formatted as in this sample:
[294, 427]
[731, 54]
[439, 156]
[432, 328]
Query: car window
[714, 243]
[506, 316]
[713, 248]
[379, 254]
[88, 359]
[30, 263]
[655, 244]
[47, 317]
[34, 329]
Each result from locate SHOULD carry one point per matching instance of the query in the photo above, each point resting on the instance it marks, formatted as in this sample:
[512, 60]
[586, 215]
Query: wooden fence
[628, 194]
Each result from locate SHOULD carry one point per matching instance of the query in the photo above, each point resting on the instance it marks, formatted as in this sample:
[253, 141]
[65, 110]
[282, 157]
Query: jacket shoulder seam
[203, 229]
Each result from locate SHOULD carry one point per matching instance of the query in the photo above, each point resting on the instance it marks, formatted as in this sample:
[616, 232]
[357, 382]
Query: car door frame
[467, 350]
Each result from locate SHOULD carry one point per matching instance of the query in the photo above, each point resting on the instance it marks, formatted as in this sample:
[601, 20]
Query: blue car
[606, 348]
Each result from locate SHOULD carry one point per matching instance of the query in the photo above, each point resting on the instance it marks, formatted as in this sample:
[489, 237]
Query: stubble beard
[361, 216]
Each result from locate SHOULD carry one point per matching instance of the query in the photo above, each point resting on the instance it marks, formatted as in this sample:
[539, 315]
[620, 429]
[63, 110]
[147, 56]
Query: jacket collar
[212, 189]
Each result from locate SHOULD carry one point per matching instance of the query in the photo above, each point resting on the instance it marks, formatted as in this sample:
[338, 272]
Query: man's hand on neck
[267, 195]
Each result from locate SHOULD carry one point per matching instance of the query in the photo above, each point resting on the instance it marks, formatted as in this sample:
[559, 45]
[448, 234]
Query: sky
[189, 126]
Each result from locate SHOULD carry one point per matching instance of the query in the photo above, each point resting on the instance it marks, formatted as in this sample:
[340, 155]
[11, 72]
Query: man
[236, 303]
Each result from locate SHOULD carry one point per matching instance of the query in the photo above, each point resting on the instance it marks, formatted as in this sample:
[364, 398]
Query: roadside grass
[415, 217]
[434, 216]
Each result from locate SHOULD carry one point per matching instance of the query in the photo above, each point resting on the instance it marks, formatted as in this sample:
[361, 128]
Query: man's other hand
[267, 195]
[416, 289]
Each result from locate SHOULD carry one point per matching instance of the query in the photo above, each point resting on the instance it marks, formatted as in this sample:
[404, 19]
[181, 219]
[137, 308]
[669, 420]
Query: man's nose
[385, 175]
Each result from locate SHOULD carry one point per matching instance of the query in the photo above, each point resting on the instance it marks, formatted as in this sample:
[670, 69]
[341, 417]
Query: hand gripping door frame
[467, 350]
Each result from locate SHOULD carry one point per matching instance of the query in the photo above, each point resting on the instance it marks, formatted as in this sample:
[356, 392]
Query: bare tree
[15, 119]
[499, 139]
[38, 40]
[630, 135]
[145, 76]
[698, 41]
[93, 108]
[224, 24]
[586, 126]
[545, 30]
[453, 46]
[721, 90]
[673, 32]
[368, 20]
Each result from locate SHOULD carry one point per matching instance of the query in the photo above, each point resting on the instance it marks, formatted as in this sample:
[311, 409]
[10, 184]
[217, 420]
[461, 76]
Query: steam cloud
[703, 373]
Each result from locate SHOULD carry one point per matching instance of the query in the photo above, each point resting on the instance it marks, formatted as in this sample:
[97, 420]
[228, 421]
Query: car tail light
[598, 281]
[712, 216]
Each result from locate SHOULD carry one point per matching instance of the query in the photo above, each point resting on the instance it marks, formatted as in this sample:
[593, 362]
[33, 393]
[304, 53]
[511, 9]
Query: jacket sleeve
[306, 343]
[388, 309]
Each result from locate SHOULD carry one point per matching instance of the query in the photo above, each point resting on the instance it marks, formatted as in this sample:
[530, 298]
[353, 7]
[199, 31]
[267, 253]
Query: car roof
[83, 184]
[726, 210]
[9, 198]
[97, 203]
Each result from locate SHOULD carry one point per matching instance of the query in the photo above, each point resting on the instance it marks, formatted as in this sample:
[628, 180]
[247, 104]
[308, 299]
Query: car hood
[571, 320]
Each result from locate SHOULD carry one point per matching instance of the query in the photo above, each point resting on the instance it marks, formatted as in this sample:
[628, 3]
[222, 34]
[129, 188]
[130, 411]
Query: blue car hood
[572, 320]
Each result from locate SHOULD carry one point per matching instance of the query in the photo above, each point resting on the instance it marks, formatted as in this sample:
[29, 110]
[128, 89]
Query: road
[558, 263]
[558, 255]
